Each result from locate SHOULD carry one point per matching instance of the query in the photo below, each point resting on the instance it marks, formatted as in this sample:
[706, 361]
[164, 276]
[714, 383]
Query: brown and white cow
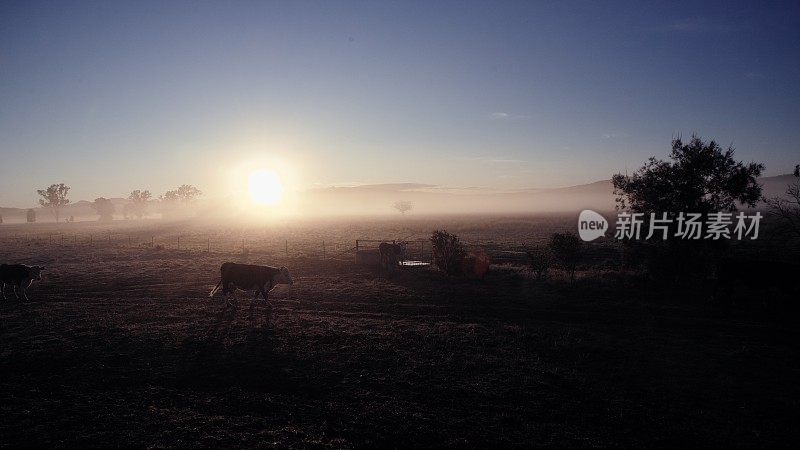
[249, 276]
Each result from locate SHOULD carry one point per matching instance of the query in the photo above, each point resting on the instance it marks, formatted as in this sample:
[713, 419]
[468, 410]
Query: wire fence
[501, 251]
[278, 247]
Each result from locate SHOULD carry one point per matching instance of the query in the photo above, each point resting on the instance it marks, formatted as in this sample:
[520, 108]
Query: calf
[248, 276]
[20, 277]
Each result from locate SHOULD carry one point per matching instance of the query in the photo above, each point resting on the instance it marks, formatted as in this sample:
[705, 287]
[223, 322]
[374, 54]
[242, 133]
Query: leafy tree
[105, 209]
[700, 178]
[186, 193]
[448, 252]
[567, 250]
[54, 197]
[788, 209]
[138, 205]
[403, 206]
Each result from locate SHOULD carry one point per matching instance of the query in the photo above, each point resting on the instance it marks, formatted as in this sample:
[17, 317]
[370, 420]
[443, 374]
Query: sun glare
[265, 187]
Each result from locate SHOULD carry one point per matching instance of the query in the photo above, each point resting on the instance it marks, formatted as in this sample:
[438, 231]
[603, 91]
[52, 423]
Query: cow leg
[23, 296]
[214, 291]
[228, 292]
[265, 292]
[253, 302]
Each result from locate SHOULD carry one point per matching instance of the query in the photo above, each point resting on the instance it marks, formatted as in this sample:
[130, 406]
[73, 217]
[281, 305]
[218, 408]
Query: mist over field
[346, 224]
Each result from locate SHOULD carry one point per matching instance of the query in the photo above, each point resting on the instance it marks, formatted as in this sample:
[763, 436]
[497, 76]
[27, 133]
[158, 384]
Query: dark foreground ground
[122, 348]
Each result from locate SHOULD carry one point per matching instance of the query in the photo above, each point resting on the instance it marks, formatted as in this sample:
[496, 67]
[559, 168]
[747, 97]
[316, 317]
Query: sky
[108, 97]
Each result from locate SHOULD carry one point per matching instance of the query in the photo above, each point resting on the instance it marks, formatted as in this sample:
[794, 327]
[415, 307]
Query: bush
[568, 250]
[539, 260]
[448, 252]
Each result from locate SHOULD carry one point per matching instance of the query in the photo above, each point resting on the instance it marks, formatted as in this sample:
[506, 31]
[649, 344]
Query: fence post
[179, 242]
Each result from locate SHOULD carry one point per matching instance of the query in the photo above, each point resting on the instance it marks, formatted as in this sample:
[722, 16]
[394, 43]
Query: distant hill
[427, 199]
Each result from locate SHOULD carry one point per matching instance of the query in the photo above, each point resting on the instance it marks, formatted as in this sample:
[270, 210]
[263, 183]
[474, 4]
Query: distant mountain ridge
[430, 199]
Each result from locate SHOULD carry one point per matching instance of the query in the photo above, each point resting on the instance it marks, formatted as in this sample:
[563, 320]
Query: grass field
[120, 346]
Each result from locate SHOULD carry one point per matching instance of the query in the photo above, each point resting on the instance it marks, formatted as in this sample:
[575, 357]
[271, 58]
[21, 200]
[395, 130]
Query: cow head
[283, 277]
[36, 272]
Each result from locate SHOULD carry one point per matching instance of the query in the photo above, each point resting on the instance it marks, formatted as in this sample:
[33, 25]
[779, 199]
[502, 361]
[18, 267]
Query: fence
[307, 245]
[275, 246]
[208, 243]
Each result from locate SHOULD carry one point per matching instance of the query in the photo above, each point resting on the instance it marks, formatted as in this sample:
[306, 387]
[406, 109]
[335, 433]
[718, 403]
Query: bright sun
[265, 187]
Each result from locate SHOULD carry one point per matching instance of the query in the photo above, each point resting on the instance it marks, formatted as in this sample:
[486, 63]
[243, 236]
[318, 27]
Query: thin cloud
[508, 116]
[490, 159]
[691, 25]
[614, 135]
[753, 75]
[505, 161]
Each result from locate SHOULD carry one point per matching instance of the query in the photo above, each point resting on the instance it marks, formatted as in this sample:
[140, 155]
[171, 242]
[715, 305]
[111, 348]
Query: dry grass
[120, 346]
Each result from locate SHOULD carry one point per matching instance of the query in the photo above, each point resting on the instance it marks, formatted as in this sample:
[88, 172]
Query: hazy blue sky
[111, 96]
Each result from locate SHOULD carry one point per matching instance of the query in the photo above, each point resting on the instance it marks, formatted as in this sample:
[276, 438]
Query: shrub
[448, 252]
[539, 260]
[567, 250]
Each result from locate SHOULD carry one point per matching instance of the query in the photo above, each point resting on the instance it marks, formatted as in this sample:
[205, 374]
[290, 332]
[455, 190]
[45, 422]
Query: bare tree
[138, 205]
[105, 209]
[788, 209]
[54, 197]
[403, 206]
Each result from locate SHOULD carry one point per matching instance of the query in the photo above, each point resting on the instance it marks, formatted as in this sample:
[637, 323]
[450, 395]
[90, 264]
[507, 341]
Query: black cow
[765, 280]
[20, 277]
[248, 276]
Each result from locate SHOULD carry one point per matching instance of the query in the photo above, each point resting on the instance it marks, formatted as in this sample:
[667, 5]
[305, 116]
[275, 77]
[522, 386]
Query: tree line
[55, 198]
